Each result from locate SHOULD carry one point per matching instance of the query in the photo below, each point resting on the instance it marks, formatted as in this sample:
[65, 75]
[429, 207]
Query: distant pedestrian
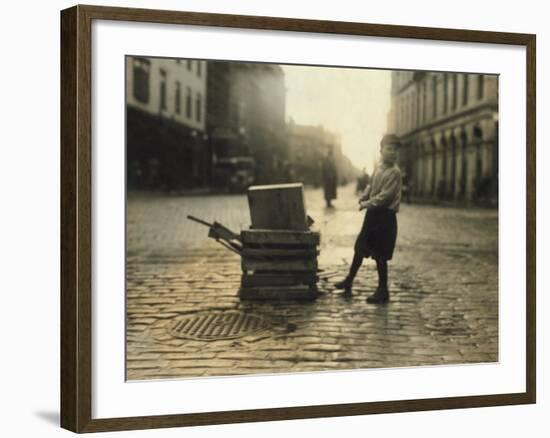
[330, 178]
[379, 232]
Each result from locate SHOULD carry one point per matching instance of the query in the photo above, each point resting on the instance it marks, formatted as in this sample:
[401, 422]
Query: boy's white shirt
[365, 197]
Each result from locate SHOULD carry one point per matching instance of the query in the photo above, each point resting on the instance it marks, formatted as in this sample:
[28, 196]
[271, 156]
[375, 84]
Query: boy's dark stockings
[354, 268]
[381, 267]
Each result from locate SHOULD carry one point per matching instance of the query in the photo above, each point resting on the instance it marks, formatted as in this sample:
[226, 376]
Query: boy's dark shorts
[378, 234]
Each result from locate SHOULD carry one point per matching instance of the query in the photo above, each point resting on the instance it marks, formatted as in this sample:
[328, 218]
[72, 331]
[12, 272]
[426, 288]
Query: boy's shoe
[346, 285]
[347, 293]
[381, 296]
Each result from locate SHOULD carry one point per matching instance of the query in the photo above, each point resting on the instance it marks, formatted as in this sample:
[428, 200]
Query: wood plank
[281, 237]
[288, 265]
[285, 293]
[270, 253]
[279, 279]
[278, 207]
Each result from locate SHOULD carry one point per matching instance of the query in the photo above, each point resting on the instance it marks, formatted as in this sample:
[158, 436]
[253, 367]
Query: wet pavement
[184, 318]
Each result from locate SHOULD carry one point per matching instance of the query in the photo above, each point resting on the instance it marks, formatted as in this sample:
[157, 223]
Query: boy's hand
[363, 200]
[365, 195]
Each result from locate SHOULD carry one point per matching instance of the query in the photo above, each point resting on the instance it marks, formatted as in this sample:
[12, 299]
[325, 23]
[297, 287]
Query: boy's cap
[391, 139]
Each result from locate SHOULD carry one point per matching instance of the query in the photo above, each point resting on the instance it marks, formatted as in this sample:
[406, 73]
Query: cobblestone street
[443, 282]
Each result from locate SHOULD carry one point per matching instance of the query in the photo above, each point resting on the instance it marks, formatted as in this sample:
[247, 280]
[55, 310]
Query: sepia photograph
[286, 218]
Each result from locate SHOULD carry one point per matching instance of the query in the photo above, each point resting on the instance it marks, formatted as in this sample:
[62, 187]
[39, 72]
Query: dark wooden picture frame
[76, 218]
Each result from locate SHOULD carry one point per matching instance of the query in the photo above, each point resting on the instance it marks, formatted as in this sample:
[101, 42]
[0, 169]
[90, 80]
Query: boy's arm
[366, 194]
[389, 191]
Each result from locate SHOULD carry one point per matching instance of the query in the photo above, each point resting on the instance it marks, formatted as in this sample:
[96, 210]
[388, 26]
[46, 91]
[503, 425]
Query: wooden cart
[278, 252]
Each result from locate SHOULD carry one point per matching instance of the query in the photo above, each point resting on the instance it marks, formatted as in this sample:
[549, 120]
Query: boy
[377, 237]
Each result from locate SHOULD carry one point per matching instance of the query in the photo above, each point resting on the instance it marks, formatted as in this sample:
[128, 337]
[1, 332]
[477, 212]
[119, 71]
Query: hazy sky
[351, 102]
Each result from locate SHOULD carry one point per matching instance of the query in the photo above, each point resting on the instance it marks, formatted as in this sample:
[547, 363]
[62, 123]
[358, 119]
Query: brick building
[166, 141]
[448, 123]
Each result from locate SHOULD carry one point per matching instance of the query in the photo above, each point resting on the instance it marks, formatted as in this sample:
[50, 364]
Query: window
[189, 65]
[177, 103]
[198, 107]
[402, 115]
[408, 112]
[445, 92]
[199, 69]
[188, 104]
[398, 116]
[412, 108]
[434, 94]
[417, 105]
[465, 89]
[162, 89]
[424, 98]
[141, 69]
[410, 115]
[455, 91]
[399, 113]
[480, 86]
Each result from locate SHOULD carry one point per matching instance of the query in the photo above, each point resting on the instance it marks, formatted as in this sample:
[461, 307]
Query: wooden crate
[279, 265]
[280, 238]
[261, 252]
[278, 207]
[279, 262]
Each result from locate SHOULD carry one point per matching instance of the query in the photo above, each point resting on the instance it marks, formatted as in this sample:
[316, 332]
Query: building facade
[166, 140]
[448, 124]
[246, 115]
[308, 146]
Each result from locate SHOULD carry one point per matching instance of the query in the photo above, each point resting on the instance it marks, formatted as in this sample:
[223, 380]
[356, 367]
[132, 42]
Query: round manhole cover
[216, 325]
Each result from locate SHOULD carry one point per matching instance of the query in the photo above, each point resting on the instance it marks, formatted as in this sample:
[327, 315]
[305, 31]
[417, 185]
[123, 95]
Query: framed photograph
[270, 218]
